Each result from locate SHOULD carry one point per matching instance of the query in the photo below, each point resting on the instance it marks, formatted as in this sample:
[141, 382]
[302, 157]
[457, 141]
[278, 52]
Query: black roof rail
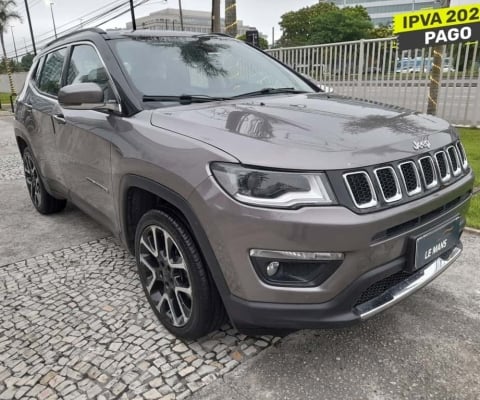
[94, 30]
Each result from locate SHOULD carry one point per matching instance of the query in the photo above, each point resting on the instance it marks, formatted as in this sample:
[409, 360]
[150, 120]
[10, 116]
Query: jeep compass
[244, 191]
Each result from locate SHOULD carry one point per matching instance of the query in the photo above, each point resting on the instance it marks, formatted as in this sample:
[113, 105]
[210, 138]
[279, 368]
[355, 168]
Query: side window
[86, 66]
[51, 75]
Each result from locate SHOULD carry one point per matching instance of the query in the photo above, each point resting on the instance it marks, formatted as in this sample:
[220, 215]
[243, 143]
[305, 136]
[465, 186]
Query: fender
[130, 180]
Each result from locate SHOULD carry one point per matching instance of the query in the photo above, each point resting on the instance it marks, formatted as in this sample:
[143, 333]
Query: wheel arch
[21, 143]
[157, 196]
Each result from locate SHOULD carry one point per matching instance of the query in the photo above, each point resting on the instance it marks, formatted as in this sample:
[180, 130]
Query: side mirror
[85, 96]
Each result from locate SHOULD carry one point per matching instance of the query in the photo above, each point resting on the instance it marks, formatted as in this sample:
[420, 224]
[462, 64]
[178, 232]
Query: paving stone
[152, 394]
[8, 394]
[156, 383]
[186, 371]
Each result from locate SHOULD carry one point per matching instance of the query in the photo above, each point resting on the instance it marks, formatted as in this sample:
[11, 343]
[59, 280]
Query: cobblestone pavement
[74, 324]
[10, 167]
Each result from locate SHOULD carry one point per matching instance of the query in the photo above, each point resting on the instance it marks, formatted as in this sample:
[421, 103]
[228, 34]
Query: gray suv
[244, 191]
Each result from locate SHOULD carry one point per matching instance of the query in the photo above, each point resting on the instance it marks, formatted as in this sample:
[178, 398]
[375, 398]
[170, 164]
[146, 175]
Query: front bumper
[256, 317]
[375, 246]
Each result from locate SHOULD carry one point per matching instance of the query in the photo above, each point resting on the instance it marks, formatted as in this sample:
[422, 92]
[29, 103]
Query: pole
[31, 29]
[273, 37]
[53, 19]
[14, 45]
[436, 72]
[132, 11]
[181, 13]
[216, 28]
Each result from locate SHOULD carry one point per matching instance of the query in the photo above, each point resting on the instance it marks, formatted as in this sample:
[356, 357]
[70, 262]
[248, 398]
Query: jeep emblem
[421, 144]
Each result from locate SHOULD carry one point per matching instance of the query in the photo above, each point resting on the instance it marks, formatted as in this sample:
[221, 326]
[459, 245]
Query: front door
[83, 140]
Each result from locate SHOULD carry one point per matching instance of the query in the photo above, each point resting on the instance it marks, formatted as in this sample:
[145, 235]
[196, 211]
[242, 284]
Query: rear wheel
[174, 278]
[41, 199]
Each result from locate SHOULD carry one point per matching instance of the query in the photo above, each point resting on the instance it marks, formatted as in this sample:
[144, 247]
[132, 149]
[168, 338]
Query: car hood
[307, 131]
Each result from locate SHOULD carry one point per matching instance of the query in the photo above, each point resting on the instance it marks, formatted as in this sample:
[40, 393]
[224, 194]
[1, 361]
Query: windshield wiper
[184, 98]
[270, 91]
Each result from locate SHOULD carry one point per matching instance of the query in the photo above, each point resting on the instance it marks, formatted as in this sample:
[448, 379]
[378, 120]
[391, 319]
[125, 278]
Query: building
[193, 21]
[382, 11]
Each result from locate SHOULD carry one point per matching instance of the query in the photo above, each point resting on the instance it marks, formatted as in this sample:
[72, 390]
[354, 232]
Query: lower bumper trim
[407, 287]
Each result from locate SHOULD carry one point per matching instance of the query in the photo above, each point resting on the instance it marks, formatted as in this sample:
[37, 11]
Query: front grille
[443, 167]
[410, 177]
[381, 287]
[454, 162]
[463, 155]
[361, 189]
[388, 182]
[428, 172]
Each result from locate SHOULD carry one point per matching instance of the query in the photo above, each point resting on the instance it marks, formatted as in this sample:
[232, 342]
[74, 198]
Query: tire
[43, 201]
[177, 285]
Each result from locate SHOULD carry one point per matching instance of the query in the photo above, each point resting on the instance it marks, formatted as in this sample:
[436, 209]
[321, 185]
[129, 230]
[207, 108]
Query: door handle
[59, 118]
[28, 106]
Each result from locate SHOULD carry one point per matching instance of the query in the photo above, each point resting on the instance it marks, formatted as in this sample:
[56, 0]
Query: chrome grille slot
[463, 155]
[410, 177]
[361, 189]
[443, 166]
[454, 161]
[389, 185]
[428, 172]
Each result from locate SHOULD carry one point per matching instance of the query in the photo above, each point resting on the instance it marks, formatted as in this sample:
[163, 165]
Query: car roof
[95, 33]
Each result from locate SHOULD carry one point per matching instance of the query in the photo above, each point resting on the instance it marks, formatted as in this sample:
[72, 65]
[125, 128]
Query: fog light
[292, 268]
[272, 268]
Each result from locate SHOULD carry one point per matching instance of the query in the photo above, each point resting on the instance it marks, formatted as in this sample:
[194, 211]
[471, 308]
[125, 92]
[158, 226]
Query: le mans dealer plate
[434, 243]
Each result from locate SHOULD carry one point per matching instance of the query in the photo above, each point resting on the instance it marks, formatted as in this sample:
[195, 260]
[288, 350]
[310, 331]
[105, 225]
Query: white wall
[18, 80]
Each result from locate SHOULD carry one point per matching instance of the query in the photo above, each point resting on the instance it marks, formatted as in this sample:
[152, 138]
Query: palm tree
[231, 17]
[7, 14]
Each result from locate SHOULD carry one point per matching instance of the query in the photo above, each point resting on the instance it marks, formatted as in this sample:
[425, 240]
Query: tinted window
[86, 66]
[51, 76]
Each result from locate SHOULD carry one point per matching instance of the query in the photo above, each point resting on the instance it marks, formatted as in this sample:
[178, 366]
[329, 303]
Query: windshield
[201, 66]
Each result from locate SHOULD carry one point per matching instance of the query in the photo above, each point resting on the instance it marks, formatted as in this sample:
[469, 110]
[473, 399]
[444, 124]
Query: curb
[473, 231]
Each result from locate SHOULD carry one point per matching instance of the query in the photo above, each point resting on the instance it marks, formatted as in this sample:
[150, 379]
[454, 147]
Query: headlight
[273, 188]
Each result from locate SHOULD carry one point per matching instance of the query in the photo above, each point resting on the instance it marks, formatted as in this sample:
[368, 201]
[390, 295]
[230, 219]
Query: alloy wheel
[32, 179]
[165, 274]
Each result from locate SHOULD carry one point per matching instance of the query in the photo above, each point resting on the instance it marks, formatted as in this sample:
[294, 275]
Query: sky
[263, 14]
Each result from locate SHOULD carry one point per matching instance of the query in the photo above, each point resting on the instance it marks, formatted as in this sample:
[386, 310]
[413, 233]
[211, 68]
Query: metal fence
[376, 70]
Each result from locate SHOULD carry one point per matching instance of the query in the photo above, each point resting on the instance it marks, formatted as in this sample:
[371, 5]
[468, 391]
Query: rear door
[40, 103]
[83, 139]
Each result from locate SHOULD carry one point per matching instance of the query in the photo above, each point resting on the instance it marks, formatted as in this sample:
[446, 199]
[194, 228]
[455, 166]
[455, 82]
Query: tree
[297, 26]
[262, 42]
[325, 23]
[6, 16]
[27, 61]
[381, 31]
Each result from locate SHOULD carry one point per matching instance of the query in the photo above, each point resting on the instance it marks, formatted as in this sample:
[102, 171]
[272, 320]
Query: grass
[5, 99]
[471, 141]
[473, 216]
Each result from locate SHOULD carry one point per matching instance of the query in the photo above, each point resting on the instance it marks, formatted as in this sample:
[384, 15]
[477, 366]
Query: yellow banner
[436, 18]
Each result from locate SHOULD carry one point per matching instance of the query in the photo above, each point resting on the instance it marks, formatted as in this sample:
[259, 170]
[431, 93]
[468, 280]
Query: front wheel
[176, 283]
[43, 201]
